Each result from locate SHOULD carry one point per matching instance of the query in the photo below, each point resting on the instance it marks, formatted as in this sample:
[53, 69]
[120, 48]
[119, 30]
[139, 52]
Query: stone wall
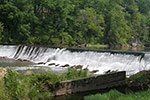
[91, 83]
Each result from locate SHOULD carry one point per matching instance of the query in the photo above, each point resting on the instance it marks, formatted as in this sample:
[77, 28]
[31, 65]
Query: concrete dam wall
[91, 83]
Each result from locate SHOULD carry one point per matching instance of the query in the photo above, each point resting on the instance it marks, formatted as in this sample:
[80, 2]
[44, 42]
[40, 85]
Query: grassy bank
[33, 86]
[40, 86]
[115, 95]
[137, 88]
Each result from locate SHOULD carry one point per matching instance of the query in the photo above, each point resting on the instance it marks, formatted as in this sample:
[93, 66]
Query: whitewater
[91, 60]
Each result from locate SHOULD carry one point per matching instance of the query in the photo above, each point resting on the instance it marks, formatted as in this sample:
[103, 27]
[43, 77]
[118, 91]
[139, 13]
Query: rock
[66, 65]
[78, 67]
[3, 72]
[109, 71]
[28, 72]
[51, 64]
[57, 64]
[86, 69]
[19, 60]
[3, 57]
[94, 71]
[25, 60]
[106, 72]
[41, 63]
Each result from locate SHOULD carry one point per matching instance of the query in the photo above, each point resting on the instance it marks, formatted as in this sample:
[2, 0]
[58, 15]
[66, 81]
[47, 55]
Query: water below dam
[24, 57]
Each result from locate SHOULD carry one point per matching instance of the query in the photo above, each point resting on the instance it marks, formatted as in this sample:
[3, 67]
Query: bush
[74, 74]
[139, 81]
[3, 92]
[36, 86]
[13, 84]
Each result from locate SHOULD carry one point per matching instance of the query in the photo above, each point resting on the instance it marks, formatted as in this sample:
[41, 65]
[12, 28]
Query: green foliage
[13, 85]
[66, 39]
[34, 86]
[118, 31]
[1, 28]
[90, 24]
[3, 92]
[16, 86]
[115, 95]
[41, 86]
[21, 86]
[141, 80]
[71, 23]
[74, 74]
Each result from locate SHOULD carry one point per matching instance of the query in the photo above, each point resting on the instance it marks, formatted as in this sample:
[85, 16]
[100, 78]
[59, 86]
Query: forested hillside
[74, 22]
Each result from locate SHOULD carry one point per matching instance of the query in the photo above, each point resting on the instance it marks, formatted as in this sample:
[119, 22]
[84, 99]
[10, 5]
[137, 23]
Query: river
[28, 57]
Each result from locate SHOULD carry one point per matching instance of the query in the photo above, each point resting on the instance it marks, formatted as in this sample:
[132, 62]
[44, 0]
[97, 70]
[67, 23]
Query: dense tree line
[74, 22]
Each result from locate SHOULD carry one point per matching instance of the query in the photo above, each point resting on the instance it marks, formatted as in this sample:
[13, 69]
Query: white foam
[89, 59]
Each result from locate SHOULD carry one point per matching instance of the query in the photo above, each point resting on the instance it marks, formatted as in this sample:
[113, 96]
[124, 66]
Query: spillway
[92, 60]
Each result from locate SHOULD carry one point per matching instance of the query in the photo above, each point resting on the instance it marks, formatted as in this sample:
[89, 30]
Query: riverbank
[137, 88]
[116, 95]
[33, 86]
[30, 85]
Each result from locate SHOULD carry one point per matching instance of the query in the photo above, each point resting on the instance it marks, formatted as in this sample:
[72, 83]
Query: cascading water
[88, 59]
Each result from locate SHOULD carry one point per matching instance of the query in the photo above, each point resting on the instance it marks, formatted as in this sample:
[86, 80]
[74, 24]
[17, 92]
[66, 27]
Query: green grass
[115, 95]
[34, 86]
[3, 93]
[102, 46]
[40, 86]
[137, 82]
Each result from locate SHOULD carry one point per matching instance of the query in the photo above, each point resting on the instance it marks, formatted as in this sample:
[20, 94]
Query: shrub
[3, 92]
[74, 74]
[139, 81]
[13, 84]
[36, 86]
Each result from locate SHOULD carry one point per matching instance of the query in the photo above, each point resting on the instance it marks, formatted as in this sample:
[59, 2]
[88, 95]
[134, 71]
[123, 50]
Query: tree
[1, 30]
[91, 25]
[137, 21]
[144, 8]
[117, 28]
[17, 16]
[53, 16]
[7, 12]
[73, 22]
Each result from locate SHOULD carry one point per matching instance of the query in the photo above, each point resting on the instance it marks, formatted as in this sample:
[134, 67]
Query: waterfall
[101, 61]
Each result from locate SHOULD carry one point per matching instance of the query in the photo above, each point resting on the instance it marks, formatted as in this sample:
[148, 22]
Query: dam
[100, 60]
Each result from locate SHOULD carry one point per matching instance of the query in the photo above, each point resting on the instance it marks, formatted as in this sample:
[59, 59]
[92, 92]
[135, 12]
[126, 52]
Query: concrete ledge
[107, 51]
[91, 83]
